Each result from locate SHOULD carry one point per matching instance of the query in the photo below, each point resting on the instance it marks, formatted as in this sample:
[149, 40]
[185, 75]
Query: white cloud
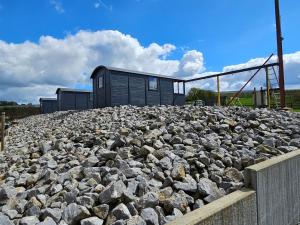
[235, 82]
[57, 6]
[100, 3]
[191, 63]
[30, 70]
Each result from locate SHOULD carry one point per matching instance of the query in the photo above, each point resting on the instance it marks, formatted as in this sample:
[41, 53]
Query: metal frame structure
[233, 72]
[258, 68]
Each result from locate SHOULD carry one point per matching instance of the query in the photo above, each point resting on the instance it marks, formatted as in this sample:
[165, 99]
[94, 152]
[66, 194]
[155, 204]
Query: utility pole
[280, 54]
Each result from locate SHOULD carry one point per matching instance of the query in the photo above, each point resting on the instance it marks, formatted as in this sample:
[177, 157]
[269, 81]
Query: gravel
[133, 165]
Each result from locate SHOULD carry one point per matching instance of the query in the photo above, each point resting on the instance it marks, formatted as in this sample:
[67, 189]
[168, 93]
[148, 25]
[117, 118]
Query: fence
[273, 197]
[19, 112]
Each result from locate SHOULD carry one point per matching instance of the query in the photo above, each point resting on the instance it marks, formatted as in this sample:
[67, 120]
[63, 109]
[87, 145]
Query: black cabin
[48, 105]
[74, 99]
[114, 87]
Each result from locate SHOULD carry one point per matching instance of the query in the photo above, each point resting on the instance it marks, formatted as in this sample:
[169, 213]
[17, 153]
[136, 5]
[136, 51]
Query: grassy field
[292, 99]
[18, 112]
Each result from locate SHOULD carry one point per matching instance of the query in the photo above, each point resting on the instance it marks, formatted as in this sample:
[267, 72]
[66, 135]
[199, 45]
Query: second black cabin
[74, 99]
[114, 87]
[48, 105]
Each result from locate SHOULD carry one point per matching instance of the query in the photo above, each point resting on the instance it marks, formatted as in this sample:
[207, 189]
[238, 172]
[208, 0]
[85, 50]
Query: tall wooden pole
[2, 131]
[280, 54]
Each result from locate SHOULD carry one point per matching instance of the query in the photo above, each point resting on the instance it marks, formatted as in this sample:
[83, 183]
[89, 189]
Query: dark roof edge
[48, 99]
[134, 72]
[72, 90]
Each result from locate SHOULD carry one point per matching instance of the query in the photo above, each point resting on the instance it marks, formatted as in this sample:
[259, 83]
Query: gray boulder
[112, 192]
[91, 221]
[150, 216]
[74, 213]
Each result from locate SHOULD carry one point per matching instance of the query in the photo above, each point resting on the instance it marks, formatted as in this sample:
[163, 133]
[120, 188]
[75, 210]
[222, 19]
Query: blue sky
[226, 32]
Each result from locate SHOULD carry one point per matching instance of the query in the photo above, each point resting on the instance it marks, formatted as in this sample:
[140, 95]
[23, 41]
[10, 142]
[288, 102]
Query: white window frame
[100, 82]
[178, 87]
[181, 88]
[153, 83]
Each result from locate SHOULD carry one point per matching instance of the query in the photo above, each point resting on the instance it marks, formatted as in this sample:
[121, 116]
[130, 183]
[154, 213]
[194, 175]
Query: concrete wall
[272, 197]
[237, 208]
[277, 185]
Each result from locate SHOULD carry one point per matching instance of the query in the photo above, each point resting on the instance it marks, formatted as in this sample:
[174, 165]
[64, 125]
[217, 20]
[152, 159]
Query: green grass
[246, 101]
[292, 98]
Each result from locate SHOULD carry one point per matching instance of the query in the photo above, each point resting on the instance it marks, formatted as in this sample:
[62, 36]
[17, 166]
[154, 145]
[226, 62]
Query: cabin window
[175, 84]
[100, 82]
[153, 86]
[178, 88]
[181, 89]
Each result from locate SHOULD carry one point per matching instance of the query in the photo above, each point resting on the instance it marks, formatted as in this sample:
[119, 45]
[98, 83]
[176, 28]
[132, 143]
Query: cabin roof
[134, 72]
[48, 99]
[72, 90]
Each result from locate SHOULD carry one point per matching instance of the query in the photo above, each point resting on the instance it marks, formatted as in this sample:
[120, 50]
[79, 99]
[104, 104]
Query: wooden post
[280, 54]
[219, 94]
[262, 99]
[2, 131]
[268, 88]
[254, 96]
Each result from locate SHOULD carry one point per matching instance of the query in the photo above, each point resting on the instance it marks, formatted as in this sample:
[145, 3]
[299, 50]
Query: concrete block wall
[237, 208]
[277, 185]
[272, 197]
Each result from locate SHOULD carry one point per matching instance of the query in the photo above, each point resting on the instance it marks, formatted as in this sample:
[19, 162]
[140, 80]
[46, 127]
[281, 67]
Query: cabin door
[100, 91]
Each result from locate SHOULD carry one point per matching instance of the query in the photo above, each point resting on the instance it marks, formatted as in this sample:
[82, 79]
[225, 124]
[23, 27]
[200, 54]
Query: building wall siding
[67, 101]
[152, 97]
[137, 88]
[166, 91]
[99, 93]
[48, 106]
[179, 99]
[119, 89]
[74, 101]
[82, 101]
[107, 88]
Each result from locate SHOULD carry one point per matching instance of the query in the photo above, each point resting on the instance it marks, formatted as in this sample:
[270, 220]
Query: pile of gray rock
[133, 165]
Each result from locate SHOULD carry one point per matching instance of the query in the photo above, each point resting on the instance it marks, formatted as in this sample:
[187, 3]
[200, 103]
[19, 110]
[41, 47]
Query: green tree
[199, 94]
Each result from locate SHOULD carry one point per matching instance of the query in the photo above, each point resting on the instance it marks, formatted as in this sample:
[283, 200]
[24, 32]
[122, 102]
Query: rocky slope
[131, 165]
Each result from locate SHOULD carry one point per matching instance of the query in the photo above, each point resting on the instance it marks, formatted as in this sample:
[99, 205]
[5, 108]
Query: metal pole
[239, 92]
[219, 94]
[2, 131]
[232, 72]
[268, 88]
[280, 54]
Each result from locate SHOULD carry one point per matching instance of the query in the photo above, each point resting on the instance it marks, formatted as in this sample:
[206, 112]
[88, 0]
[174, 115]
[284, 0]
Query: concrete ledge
[273, 161]
[236, 208]
[277, 185]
